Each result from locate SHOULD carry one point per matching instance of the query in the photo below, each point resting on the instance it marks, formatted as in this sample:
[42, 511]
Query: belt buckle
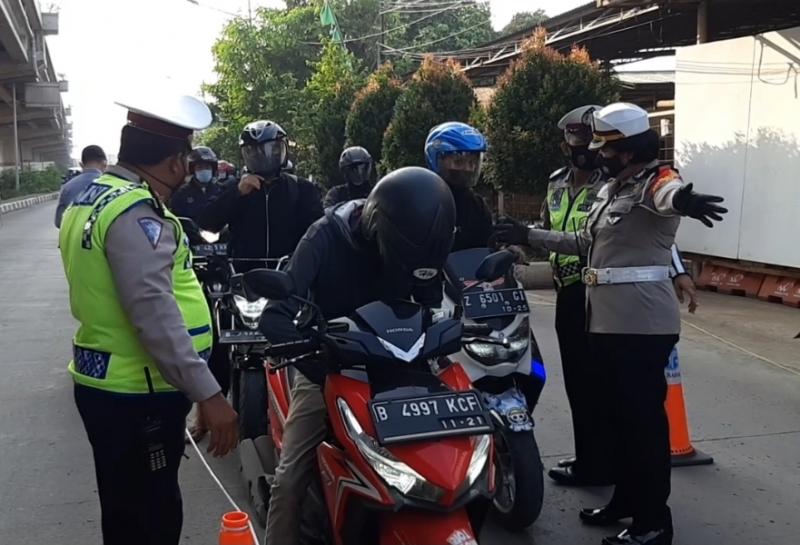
[589, 276]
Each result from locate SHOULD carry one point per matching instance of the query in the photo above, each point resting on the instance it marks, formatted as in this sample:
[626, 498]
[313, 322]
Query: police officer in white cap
[632, 310]
[144, 335]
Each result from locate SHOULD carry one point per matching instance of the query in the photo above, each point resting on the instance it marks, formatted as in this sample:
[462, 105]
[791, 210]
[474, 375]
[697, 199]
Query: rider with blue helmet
[455, 152]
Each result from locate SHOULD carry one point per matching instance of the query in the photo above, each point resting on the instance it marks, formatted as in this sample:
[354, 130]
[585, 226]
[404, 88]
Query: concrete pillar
[702, 21]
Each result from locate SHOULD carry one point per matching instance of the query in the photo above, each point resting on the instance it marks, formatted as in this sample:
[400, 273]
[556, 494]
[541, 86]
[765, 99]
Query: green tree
[329, 94]
[532, 96]
[372, 111]
[261, 71]
[439, 92]
[524, 20]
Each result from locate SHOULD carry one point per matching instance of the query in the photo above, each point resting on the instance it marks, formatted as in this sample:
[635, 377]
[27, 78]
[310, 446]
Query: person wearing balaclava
[269, 210]
[357, 167]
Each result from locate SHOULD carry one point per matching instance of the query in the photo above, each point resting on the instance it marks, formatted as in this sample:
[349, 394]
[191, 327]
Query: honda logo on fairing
[425, 274]
[399, 330]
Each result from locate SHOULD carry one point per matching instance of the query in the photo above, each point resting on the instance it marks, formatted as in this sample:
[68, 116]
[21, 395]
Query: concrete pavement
[744, 410]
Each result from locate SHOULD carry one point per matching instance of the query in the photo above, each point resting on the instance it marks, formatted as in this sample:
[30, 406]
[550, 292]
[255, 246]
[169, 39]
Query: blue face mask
[203, 176]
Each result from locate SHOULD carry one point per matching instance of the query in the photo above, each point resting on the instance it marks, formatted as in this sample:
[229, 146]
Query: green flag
[326, 16]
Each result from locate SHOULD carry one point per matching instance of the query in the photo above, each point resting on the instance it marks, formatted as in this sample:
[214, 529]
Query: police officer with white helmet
[141, 349]
[632, 310]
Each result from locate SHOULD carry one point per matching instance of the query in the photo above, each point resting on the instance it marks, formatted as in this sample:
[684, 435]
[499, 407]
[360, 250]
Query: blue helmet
[452, 137]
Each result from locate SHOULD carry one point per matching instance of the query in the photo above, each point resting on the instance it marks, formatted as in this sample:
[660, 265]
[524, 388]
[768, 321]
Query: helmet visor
[265, 159]
[461, 169]
[358, 174]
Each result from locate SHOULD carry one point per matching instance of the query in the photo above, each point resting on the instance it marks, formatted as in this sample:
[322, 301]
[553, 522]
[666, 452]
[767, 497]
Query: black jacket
[343, 193]
[191, 199]
[473, 221]
[266, 223]
[336, 268]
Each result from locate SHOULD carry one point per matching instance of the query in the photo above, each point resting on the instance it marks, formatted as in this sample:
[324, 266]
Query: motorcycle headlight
[249, 310]
[397, 474]
[492, 354]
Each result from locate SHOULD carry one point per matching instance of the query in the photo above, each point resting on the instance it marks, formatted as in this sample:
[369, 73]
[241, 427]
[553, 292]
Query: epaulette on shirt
[664, 176]
[558, 174]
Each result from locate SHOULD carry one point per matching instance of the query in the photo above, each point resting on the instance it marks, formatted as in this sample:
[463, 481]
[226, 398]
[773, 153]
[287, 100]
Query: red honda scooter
[408, 458]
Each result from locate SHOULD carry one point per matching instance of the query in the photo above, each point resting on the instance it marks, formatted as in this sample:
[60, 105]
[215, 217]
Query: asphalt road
[744, 410]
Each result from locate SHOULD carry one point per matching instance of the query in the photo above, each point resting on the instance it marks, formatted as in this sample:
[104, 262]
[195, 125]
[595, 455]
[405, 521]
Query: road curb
[27, 202]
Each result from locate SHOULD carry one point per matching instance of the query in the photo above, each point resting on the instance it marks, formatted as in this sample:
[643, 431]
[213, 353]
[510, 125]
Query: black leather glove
[509, 231]
[698, 206]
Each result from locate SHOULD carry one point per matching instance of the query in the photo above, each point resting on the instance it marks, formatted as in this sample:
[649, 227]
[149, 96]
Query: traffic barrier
[730, 281]
[25, 203]
[777, 289]
[235, 529]
[681, 449]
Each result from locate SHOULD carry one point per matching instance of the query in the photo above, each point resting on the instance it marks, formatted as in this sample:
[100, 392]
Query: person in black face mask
[269, 210]
[570, 195]
[357, 167]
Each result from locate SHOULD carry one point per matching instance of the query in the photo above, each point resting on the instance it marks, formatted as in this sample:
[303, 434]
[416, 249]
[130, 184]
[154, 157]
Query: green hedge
[521, 121]
[372, 111]
[31, 182]
[439, 92]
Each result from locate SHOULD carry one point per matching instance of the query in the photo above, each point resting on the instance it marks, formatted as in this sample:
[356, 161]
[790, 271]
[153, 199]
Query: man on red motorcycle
[391, 246]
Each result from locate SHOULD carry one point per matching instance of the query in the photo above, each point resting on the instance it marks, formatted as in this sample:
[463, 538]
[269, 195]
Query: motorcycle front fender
[423, 528]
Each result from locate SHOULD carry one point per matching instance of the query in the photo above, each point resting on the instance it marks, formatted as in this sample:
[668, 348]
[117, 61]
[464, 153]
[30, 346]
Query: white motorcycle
[506, 366]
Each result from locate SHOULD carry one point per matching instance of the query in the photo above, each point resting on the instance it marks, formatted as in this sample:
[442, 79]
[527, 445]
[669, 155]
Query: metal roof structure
[615, 31]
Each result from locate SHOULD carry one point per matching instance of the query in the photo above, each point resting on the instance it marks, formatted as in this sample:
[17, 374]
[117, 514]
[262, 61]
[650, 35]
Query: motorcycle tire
[521, 475]
[252, 403]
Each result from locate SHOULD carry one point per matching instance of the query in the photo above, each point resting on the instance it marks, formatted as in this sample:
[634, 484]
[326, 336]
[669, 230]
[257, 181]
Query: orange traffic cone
[235, 529]
[683, 453]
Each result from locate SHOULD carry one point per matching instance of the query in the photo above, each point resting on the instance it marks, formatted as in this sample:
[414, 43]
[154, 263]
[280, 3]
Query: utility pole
[16, 136]
[380, 36]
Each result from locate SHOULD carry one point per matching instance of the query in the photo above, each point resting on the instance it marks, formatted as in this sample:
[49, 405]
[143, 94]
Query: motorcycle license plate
[489, 304]
[430, 417]
[230, 336]
[207, 250]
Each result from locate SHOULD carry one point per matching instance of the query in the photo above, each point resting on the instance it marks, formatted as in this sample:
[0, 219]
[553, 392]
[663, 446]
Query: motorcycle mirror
[270, 284]
[495, 265]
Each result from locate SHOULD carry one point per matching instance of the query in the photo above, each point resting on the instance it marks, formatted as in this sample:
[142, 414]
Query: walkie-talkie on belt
[152, 435]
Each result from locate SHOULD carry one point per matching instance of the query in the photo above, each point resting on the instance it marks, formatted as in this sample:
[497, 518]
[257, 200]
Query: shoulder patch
[152, 230]
[90, 195]
[558, 174]
[664, 176]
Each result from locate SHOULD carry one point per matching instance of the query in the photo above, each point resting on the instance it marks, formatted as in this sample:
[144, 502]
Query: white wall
[737, 134]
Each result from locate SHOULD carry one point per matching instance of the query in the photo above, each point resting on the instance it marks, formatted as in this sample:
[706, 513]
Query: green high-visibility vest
[568, 214]
[107, 353]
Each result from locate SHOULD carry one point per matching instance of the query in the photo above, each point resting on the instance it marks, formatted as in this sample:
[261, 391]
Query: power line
[439, 40]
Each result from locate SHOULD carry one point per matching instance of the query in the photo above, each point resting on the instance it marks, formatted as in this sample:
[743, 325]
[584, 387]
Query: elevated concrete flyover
[33, 120]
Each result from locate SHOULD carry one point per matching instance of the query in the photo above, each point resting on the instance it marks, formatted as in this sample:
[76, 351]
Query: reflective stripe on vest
[107, 352]
[568, 215]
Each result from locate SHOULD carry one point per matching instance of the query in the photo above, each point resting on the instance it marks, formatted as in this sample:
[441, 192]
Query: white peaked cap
[618, 121]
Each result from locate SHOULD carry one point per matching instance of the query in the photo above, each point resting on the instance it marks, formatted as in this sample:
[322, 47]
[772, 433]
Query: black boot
[572, 476]
[567, 462]
[603, 516]
[661, 536]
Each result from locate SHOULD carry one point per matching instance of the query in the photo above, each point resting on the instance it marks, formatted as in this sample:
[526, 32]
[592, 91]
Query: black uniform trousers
[139, 506]
[586, 384]
[635, 365]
